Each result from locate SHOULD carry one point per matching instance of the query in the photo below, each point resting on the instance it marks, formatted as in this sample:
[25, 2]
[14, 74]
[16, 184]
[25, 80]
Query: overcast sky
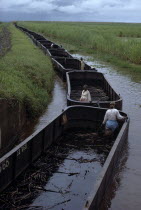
[71, 10]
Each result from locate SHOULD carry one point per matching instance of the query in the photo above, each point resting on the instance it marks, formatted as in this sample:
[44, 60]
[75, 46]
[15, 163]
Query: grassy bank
[120, 43]
[26, 74]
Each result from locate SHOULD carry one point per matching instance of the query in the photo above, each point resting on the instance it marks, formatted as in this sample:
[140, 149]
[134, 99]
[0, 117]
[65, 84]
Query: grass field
[119, 43]
[26, 74]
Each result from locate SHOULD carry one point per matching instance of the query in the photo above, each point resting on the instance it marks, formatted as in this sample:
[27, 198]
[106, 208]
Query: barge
[59, 53]
[64, 65]
[85, 164]
[100, 89]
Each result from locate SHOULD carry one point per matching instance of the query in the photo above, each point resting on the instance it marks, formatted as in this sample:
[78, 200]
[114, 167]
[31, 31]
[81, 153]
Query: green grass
[119, 41]
[26, 74]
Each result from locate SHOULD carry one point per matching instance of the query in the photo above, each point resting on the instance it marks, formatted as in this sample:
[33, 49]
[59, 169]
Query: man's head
[85, 87]
[112, 104]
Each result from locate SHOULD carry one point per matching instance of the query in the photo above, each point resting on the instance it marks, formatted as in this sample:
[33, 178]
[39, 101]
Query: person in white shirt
[52, 45]
[82, 64]
[85, 96]
[110, 119]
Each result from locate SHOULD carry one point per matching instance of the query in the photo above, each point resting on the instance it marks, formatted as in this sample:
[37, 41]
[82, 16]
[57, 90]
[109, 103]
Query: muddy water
[126, 190]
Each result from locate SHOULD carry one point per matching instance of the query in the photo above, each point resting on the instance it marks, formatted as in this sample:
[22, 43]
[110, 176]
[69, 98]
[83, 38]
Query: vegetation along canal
[126, 189]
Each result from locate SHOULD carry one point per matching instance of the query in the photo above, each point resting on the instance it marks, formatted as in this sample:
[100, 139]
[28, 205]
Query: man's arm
[119, 116]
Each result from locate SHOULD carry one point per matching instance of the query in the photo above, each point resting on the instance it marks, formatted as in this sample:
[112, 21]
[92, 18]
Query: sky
[71, 10]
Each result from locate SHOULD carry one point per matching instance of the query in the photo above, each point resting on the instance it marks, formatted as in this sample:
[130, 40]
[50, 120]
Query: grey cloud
[72, 10]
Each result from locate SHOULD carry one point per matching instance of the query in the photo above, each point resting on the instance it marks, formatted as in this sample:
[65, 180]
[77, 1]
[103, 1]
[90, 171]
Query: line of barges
[78, 117]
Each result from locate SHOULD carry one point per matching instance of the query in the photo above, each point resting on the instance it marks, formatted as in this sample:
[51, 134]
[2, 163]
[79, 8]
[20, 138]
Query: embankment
[26, 82]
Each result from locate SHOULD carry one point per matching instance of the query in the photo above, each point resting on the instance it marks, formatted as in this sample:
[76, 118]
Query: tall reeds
[117, 39]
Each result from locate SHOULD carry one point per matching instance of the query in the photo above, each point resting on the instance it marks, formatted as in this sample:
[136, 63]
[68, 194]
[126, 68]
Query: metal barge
[59, 53]
[52, 49]
[101, 91]
[64, 65]
[83, 158]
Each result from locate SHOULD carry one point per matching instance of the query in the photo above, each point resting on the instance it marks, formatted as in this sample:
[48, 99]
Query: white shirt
[82, 65]
[112, 114]
[85, 96]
